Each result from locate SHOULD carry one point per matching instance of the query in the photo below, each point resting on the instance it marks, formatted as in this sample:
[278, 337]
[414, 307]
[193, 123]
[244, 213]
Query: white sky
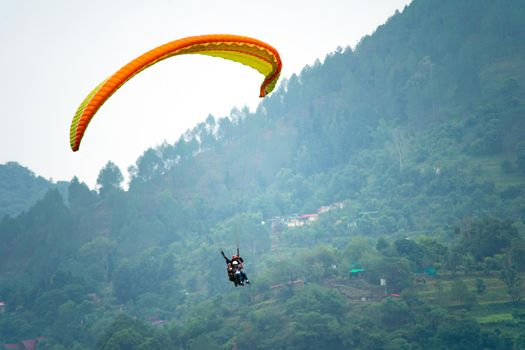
[53, 53]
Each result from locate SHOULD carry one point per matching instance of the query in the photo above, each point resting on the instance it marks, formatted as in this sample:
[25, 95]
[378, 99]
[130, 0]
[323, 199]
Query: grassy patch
[495, 290]
[495, 318]
[490, 169]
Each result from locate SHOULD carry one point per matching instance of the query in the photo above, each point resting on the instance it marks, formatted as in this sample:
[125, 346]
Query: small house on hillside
[301, 220]
[356, 273]
[29, 344]
[324, 209]
[327, 208]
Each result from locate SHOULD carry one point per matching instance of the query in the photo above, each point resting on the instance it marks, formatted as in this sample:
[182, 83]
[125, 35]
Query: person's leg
[238, 277]
[244, 277]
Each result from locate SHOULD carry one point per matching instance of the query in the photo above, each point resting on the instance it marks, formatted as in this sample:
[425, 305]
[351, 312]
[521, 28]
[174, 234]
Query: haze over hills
[415, 140]
[20, 188]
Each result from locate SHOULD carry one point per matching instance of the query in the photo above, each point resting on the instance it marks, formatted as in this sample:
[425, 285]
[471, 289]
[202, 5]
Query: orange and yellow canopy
[251, 52]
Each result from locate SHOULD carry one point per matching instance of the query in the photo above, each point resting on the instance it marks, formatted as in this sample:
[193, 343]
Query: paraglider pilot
[235, 267]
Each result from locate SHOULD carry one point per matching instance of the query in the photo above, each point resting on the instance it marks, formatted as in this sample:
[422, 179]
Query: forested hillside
[20, 188]
[400, 161]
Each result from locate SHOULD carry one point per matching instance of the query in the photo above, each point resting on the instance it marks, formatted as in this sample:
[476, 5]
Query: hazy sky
[55, 52]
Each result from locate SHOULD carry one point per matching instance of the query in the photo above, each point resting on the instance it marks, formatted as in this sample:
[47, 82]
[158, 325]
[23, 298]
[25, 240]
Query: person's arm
[225, 258]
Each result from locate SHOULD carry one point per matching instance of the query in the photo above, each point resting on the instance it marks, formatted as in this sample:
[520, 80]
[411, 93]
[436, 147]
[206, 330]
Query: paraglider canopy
[248, 51]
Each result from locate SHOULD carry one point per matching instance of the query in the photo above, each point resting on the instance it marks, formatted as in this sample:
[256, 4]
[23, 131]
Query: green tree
[459, 335]
[124, 339]
[79, 195]
[109, 179]
[149, 165]
[395, 313]
[520, 156]
[124, 283]
[124, 333]
[480, 286]
[158, 341]
[99, 255]
[411, 250]
[520, 341]
[395, 270]
[488, 237]
[513, 282]
[382, 244]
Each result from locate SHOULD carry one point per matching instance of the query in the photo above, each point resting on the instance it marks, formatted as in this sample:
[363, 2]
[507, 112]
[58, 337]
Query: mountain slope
[20, 188]
[416, 135]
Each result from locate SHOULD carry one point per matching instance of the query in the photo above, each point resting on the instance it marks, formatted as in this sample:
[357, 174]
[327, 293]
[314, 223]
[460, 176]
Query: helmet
[235, 262]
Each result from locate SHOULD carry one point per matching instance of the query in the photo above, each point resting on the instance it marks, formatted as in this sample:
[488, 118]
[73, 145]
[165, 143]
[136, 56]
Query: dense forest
[377, 198]
[20, 188]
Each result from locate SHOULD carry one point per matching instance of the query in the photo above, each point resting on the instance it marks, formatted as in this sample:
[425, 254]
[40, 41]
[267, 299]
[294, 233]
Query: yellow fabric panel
[261, 66]
[78, 114]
